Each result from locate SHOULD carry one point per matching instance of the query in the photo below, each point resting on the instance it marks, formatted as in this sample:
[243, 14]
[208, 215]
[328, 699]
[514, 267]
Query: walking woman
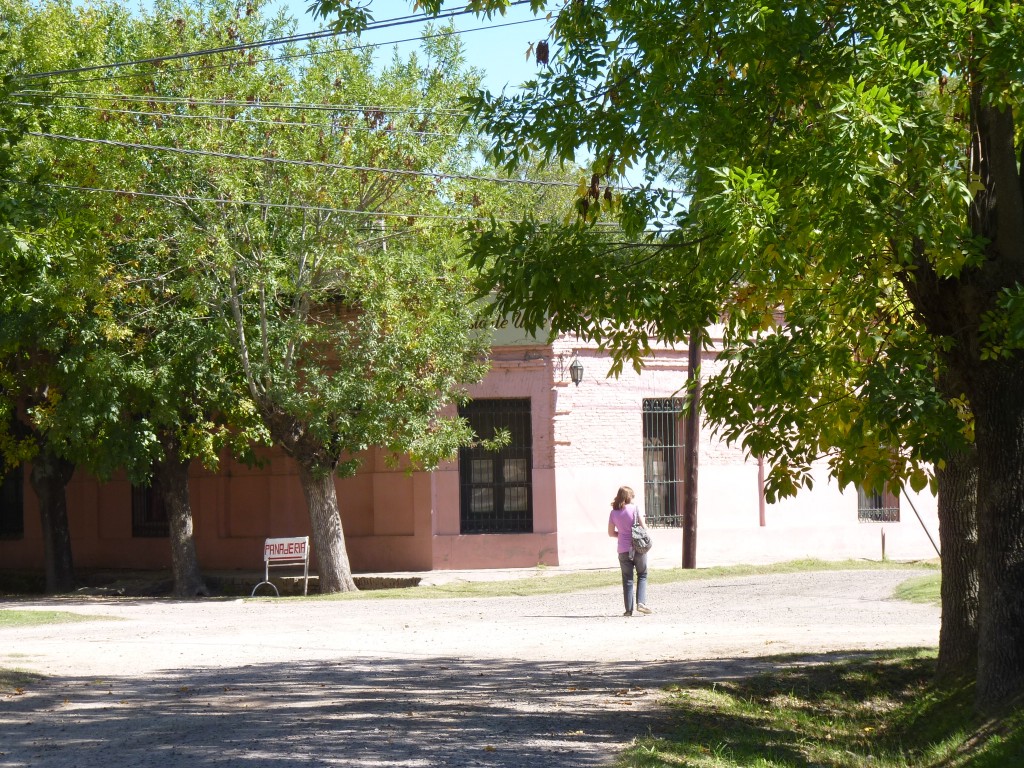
[620, 526]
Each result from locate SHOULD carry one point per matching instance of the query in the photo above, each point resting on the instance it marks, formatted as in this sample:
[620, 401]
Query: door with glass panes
[495, 486]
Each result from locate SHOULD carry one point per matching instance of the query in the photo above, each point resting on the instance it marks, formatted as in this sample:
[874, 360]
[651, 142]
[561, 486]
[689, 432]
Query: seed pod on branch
[542, 52]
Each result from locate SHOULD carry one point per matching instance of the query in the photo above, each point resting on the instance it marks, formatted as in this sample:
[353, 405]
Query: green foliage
[122, 370]
[348, 315]
[821, 155]
[246, 296]
[55, 288]
[1002, 328]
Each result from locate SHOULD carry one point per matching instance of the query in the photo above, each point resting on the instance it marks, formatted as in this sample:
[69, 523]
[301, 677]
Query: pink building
[542, 500]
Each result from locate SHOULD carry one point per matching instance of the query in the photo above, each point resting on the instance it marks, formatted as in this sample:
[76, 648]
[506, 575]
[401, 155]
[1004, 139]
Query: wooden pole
[760, 490]
[691, 453]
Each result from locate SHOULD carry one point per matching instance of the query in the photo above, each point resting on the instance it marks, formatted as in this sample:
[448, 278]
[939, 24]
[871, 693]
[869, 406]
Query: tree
[855, 164]
[42, 357]
[179, 386]
[315, 238]
[148, 392]
[351, 318]
[54, 296]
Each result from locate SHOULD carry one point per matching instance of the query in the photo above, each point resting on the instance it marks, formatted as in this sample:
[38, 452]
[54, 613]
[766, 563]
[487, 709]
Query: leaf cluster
[217, 299]
[823, 149]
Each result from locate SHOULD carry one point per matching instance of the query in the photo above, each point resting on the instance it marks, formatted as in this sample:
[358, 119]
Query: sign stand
[282, 553]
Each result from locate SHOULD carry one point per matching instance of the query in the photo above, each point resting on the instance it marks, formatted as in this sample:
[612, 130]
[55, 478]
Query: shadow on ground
[423, 712]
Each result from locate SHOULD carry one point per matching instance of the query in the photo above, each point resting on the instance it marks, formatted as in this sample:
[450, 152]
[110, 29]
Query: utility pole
[691, 451]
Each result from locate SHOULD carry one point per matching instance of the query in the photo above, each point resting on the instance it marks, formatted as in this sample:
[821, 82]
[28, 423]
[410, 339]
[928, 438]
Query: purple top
[622, 519]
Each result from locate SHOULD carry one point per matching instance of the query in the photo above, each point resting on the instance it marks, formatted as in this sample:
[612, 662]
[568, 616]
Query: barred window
[663, 455]
[12, 504]
[495, 487]
[877, 506]
[149, 518]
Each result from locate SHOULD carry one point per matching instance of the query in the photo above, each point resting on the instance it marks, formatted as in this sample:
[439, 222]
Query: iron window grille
[12, 504]
[496, 487]
[877, 506]
[663, 456]
[149, 518]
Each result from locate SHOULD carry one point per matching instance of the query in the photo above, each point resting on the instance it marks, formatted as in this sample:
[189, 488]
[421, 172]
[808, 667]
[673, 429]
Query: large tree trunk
[171, 474]
[958, 533]
[316, 474]
[954, 308]
[998, 405]
[996, 394]
[49, 478]
[335, 573]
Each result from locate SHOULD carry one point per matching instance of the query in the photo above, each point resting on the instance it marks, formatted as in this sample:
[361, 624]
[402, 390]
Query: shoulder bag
[641, 537]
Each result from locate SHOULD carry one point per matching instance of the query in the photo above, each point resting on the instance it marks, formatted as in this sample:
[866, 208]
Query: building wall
[599, 446]
[522, 371]
[587, 441]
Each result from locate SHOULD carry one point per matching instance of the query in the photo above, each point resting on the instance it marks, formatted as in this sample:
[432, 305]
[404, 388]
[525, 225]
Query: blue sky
[499, 53]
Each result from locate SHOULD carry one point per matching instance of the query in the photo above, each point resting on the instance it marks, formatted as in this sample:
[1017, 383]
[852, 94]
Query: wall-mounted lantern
[576, 371]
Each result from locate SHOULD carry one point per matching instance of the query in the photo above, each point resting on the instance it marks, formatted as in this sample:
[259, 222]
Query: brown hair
[623, 497]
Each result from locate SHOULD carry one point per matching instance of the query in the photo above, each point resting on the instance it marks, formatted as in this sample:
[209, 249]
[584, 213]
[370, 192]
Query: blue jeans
[627, 564]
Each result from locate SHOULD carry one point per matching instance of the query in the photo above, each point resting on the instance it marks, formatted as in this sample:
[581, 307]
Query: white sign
[286, 549]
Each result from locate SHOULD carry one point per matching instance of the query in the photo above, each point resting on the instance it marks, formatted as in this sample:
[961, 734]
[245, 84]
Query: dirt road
[508, 682]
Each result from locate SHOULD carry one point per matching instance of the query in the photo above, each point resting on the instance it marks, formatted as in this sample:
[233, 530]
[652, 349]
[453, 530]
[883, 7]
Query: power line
[243, 121]
[305, 37]
[335, 166]
[243, 103]
[303, 163]
[308, 208]
[287, 57]
[268, 205]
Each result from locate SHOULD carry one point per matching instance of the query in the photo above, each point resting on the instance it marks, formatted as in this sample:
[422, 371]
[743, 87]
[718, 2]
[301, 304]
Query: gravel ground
[508, 682]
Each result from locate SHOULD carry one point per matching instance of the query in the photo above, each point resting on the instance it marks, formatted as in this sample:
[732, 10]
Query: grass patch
[524, 587]
[17, 618]
[923, 589]
[872, 709]
[579, 581]
[13, 682]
